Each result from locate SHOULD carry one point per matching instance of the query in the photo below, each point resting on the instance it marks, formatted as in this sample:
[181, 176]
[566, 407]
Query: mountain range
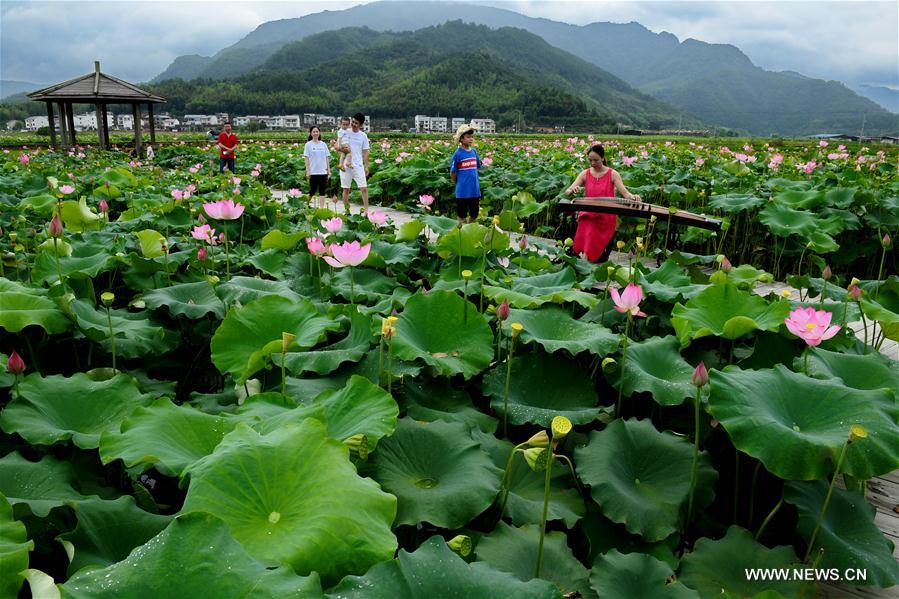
[716, 83]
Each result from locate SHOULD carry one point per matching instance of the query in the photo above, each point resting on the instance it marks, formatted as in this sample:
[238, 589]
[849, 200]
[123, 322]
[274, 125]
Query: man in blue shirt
[464, 173]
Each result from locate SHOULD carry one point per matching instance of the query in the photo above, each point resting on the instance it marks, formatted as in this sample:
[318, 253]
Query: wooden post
[135, 112]
[101, 125]
[70, 107]
[63, 126]
[106, 126]
[52, 125]
[152, 123]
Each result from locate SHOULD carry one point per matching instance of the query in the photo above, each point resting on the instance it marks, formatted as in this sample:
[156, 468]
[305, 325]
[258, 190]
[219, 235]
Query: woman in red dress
[595, 230]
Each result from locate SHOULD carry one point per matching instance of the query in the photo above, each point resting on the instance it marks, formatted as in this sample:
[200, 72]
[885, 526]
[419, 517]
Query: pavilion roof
[95, 87]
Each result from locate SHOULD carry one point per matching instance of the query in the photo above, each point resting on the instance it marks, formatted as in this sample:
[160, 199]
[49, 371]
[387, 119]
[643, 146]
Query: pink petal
[616, 298]
[830, 332]
[333, 262]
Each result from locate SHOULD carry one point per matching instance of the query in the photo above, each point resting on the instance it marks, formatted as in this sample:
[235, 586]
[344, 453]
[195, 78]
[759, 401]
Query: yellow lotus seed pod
[537, 458]
[461, 544]
[107, 298]
[540, 439]
[561, 426]
[517, 327]
[286, 340]
[857, 431]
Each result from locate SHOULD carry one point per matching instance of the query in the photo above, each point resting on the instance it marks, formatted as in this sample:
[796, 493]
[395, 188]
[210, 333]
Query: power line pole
[862, 132]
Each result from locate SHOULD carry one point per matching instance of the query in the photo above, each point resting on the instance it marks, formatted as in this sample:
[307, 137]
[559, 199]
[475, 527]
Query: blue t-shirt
[465, 163]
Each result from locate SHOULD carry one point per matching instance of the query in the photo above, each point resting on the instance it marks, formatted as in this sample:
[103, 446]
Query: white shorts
[348, 175]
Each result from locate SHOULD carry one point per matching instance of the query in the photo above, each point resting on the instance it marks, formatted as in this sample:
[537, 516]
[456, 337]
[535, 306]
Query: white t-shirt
[340, 134]
[358, 141]
[318, 154]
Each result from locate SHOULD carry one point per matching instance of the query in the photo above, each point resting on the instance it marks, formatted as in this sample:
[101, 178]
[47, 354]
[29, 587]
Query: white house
[484, 125]
[12, 124]
[430, 124]
[124, 121]
[200, 120]
[33, 123]
[457, 121]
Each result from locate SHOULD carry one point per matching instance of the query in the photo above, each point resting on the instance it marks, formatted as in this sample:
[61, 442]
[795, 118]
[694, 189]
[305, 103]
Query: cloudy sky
[45, 42]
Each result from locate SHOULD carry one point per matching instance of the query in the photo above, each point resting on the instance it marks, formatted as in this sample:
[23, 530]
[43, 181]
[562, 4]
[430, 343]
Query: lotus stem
[380, 358]
[799, 270]
[499, 341]
[823, 295]
[549, 467]
[865, 325]
[571, 469]
[506, 392]
[627, 330]
[227, 257]
[805, 361]
[352, 286]
[389, 364]
[768, 518]
[697, 401]
[111, 338]
[883, 255]
[755, 477]
[240, 244]
[481, 290]
[506, 484]
[58, 268]
[283, 373]
[465, 301]
[833, 480]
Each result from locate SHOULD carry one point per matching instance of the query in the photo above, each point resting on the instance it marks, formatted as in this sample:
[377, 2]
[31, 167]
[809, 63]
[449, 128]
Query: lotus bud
[466, 274]
[720, 258]
[855, 292]
[826, 274]
[55, 228]
[502, 311]
[537, 458]
[561, 426]
[103, 206]
[517, 327]
[726, 266]
[700, 375]
[653, 218]
[854, 282]
[608, 364]
[540, 439]
[857, 431]
[201, 254]
[15, 364]
[523, 243]
[201, 219]
[569, 242]
[107, 297]
[639, 241]
[611, 271]
[496, 221]
[286, 340]
[619, 245]
[358, 445]
[461, 544]
[13, 236]
[886, 242]
[785, 293]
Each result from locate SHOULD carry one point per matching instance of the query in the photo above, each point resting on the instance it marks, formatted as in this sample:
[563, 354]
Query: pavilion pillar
[50, 120]
[101, 126]
[63, 126]
[106, 126]
[70, 107]
[135, 111]
[152, 123]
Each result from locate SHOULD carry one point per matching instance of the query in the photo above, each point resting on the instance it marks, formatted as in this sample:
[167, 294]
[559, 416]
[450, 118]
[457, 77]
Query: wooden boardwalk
[883, 491]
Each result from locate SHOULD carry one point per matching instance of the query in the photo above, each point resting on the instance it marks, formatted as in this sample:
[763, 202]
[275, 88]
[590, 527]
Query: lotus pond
[211, 389]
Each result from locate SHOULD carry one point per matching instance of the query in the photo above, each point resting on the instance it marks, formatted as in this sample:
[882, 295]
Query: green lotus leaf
[525, 503]
[848, 537]
[165, 436]
[56, 408]
[735, 202]
[41, 486]
[546, 284]
[107, 531]
[641, 477]
[394, 253]
[268, 412]
[554, 329]
[796, 425]
[840, 197]
[86, 261]
[458, 342]
[14, 549]
[516, 300]
[6, 379]
[720, 566]
[514, 550]
[725, 311]
[327, 359]
[885, 311]
[624, 576]
[746, 276]
[604, 535]
[541, 387]
[440, 225]
[469, 241]
[77, 216]
[785, 221]
[437, 399]
[655, 366]
[19, 310]
[193, 300]
[218, 567]
[433, 571]
[668, 283]
[42, 204]
[250, 334]
[361, 407]
[800, 199]
[136, 334]
[271, 262]
[280, 240]
[294, 496]
[152, 243]
[243, 290]
[409, 231]
[119, 176]
[437, 472]
[868, 371]
[59, 247]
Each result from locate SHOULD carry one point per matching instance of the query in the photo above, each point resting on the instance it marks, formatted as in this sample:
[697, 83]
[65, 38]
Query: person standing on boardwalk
[464, 167]
[317, 157]
[227, 141]
[356, 166]
[595, 229]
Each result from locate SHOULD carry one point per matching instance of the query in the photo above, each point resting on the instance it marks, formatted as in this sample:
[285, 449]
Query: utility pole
[862, 132]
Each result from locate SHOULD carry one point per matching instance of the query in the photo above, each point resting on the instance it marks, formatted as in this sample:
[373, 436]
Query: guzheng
[623, 207]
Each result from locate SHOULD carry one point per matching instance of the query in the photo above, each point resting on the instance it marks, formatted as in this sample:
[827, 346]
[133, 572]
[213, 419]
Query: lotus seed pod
[540, 439]
[537, 458]
[286, 340]
[857, 431]
[461, 544]
[107, 298]
[517, 327]
[608, 364]
[561, 426]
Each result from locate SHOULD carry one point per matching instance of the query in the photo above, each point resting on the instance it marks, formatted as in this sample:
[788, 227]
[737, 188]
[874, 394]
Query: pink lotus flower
[191, 188]
[333, 225]
[204, 233]
[254, 173]
[378, 219]
[809, 166]
[812, 326]
[487, 161]
[823, 143]
[224, 210]
[193, 169]
[235, 180]
[315, 246]
[66, 189]
[294, 192]
[700, 162]
[15, 364]
[628, 160]
[24, 158]
[348, 254]
[426, 200]
[629, 301]
[177, 194]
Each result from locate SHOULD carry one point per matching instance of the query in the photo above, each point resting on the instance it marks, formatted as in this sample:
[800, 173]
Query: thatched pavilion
[100, 90]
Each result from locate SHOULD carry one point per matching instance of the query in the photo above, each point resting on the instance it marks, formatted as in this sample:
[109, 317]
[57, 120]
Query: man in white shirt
[356, 167]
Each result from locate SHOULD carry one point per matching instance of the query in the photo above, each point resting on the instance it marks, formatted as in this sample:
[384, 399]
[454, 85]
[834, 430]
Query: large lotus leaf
[271, 262]
[470, 240]
[515, 299]
[327, 359]
[193, 300]
[294, 496]
[746, 276]
[136, 334]
[437, 399]
[440, 225]
[437, 472]
[848, 537]
[514, 550]
[668, 283]
[56, 408]
[725, 311]
[361, 407]
[541, 387]
[42, 204]
[546, 284]
[19, 310]
[362, 283]
[735, 202]
[434, 571]
[525, 503]
[250, 334]
[604, 535]
[796, 425]
[152, 243]
[641, 477]
[868, 371]
[625, 576]
[14, 548]
[445, 331]
[280, 240]
[885, 311]
[243, 290]
[720, 566]
[195, 556]
[86, 261]
[785, 221]
[409, 230]
[107, 531]
[655, 366]
[41, 486]
[800, 199]
[554, 328]
[395, 253]
[840, 197]
[77, 216]
[165, 436]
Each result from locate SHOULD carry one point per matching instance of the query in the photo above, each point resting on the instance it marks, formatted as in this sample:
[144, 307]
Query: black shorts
[318, 185]
[468, 207]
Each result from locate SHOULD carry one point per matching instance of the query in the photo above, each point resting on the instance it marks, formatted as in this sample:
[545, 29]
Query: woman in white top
[318, 163]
